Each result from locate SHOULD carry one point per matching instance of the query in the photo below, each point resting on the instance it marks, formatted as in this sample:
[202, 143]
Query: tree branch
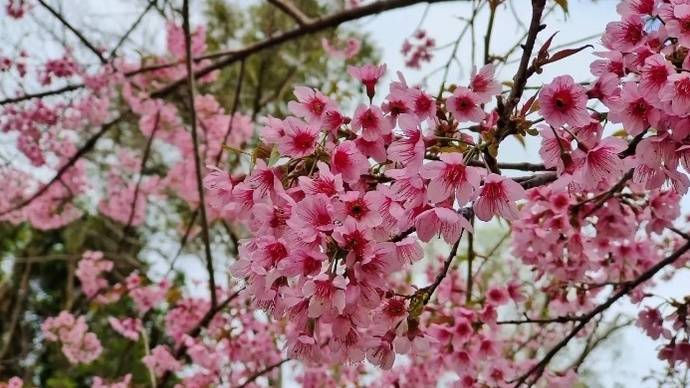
[263, 372]
[538, 369]
[88, 146]
[76, 32]
[197, 162]
[291, 10]
[317, 25]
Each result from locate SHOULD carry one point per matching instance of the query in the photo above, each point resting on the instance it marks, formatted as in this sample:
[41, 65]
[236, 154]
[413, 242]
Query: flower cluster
[417, 49]
[78, 344]
[332, 218]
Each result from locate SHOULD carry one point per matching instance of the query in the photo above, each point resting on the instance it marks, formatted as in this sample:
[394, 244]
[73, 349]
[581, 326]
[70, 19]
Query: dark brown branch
[291, 10]
[131, 29]
[520, 166]
[235, 107]
[263, 372]
[76, 32]
[532, 181]
[317, 25]
[541, 321]
[197, 162]
[523, 73]
[489, 30]
[505, 126]
[538, 369]
[428, 291]
[137, 188]
[46, 93]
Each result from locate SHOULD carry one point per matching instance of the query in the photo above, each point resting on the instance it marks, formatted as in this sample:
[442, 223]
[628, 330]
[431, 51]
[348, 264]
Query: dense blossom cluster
[339, 207]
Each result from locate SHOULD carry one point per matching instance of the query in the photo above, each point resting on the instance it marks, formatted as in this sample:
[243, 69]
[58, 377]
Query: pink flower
[677, 93]
[369, 75]
[160, 361]
[303, 347]
[382, 355]
[326, 183]
[361, 208]
[350, 49]
[464, 105]
[371, 121]
[219, 186]
[348, 161]
[601, 163]
[327, 295]
[126, 327]
[497, 296]
[263, 180]
[90, 270]
[299, 140]
[409, 148]
[679, 25]
[423, 105]
[651, 321]
[78, 344]
[483, 83]
[312, 216]
[311, 104]
[564, 102]
[441, 221]
[633, 110]
[98, 382]
[625, 35]
[145, 298]
[302, 262]
[497, 197]
[450, 177]
[554, 150]
[654, 75]
[636, 7]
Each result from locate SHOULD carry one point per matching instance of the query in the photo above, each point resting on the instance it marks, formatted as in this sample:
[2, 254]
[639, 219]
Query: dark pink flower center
[563, 100]
[357, 208]
[316, 106]
[639, 108]
[276, 252]
[463, 104]
[303, 141]
[369, 120]
[454, 173]
[422, 103]
[657, 74]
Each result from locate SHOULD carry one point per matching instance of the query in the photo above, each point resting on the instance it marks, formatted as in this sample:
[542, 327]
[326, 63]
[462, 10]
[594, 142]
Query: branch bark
[197, 162]
[291, 10]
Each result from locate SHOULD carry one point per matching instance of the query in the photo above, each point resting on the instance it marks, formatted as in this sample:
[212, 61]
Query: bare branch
[197, 162]
[76, 32]
[317, 25]
[263, 372]
[538, 369]
[291, 10]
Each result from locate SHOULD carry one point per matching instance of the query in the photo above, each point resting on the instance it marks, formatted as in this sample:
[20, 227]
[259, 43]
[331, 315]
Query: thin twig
[263, 372]
[291, 10]
[197, 162]
[76, 32]
[538, 369]
[317, 25]
[144, 159]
